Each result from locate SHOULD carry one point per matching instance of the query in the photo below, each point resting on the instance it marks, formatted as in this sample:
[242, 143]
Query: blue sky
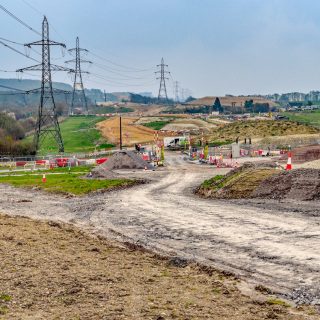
[212, 47]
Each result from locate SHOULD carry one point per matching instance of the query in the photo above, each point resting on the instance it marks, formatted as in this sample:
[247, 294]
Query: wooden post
[120, 134]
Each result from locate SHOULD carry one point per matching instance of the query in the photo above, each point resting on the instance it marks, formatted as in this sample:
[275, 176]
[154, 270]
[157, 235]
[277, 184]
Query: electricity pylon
[47, 122]
[176, 91]
[162, 95]
[78, 88]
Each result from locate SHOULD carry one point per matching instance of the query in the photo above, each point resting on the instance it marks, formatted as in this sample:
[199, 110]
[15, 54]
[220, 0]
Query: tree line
[12, 133]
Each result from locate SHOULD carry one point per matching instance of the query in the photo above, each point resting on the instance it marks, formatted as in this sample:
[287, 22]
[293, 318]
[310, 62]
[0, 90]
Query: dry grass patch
[260, 128]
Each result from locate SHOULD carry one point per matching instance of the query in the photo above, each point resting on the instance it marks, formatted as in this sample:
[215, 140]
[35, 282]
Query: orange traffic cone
[44, 179]
[289, 165]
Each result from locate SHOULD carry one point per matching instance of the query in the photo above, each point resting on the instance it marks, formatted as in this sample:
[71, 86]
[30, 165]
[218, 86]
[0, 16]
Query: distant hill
[7, 101]
[27, 84]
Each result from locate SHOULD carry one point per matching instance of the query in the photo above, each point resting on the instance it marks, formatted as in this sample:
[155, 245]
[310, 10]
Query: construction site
[174, 200]
[124, 205]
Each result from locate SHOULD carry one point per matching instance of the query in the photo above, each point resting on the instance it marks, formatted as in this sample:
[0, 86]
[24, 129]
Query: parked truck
[175, 143]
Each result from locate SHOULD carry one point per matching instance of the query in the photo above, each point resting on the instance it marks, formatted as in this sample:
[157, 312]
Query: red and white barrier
[101, 160]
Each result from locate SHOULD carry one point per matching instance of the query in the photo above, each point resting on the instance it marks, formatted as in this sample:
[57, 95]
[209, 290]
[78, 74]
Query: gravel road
[278, 248]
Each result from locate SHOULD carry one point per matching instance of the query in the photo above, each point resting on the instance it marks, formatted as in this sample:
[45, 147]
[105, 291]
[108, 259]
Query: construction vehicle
[176, 143]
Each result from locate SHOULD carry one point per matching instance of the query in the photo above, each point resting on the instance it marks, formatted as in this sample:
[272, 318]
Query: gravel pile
[120, 160]
[305, 295]
[299, 184]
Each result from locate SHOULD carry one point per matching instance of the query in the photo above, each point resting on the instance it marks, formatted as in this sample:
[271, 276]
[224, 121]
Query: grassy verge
[80, 169]
[213, 183]
[156, 125]
[64, 183]
[79, 135]
[235, 185]
[307, 117]
[219, 143]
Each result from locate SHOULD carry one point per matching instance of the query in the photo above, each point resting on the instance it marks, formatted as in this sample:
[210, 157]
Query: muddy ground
[55, 271]
[265, 242]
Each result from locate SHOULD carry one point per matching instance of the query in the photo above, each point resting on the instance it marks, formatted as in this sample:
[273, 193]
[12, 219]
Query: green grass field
[110, 109]
[79, 135]
[64, 183]
[80, 169]
[307, 117]
[156, 125]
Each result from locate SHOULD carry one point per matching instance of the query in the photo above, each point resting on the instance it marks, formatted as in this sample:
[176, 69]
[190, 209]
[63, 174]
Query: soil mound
[239, 183]
[120, 160]
[307, 153]
[262, 180]
[304, 154]
[299, 184]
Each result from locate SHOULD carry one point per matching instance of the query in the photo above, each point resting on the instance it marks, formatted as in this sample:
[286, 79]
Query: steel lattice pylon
[176, 91]
[47, 122]
[162, 95]
[78, 83]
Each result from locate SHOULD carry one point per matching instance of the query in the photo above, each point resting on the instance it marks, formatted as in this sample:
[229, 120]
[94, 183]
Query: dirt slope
[189, 124]
[132, 133]
[299, 184]
[240, 183]
[264, 181]
[260, 128]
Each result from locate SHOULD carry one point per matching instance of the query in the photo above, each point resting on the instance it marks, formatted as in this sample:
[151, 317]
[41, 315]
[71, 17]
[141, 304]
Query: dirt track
[277, 248]
[133, 133]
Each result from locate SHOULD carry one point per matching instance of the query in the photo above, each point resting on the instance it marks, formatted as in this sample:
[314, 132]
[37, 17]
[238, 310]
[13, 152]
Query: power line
[111, 84]
[13, 42]
[119, 83]
[11, 93]
[19, 20]
[120, 65]
[124, 78]
[119, 70]
[20, 44]
[11, 88]
[42, 14]
[17, 51]
[33, 8]
[103, 67]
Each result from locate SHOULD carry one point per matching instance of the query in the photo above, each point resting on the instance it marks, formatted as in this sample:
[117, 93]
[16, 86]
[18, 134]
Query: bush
[11, 127]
